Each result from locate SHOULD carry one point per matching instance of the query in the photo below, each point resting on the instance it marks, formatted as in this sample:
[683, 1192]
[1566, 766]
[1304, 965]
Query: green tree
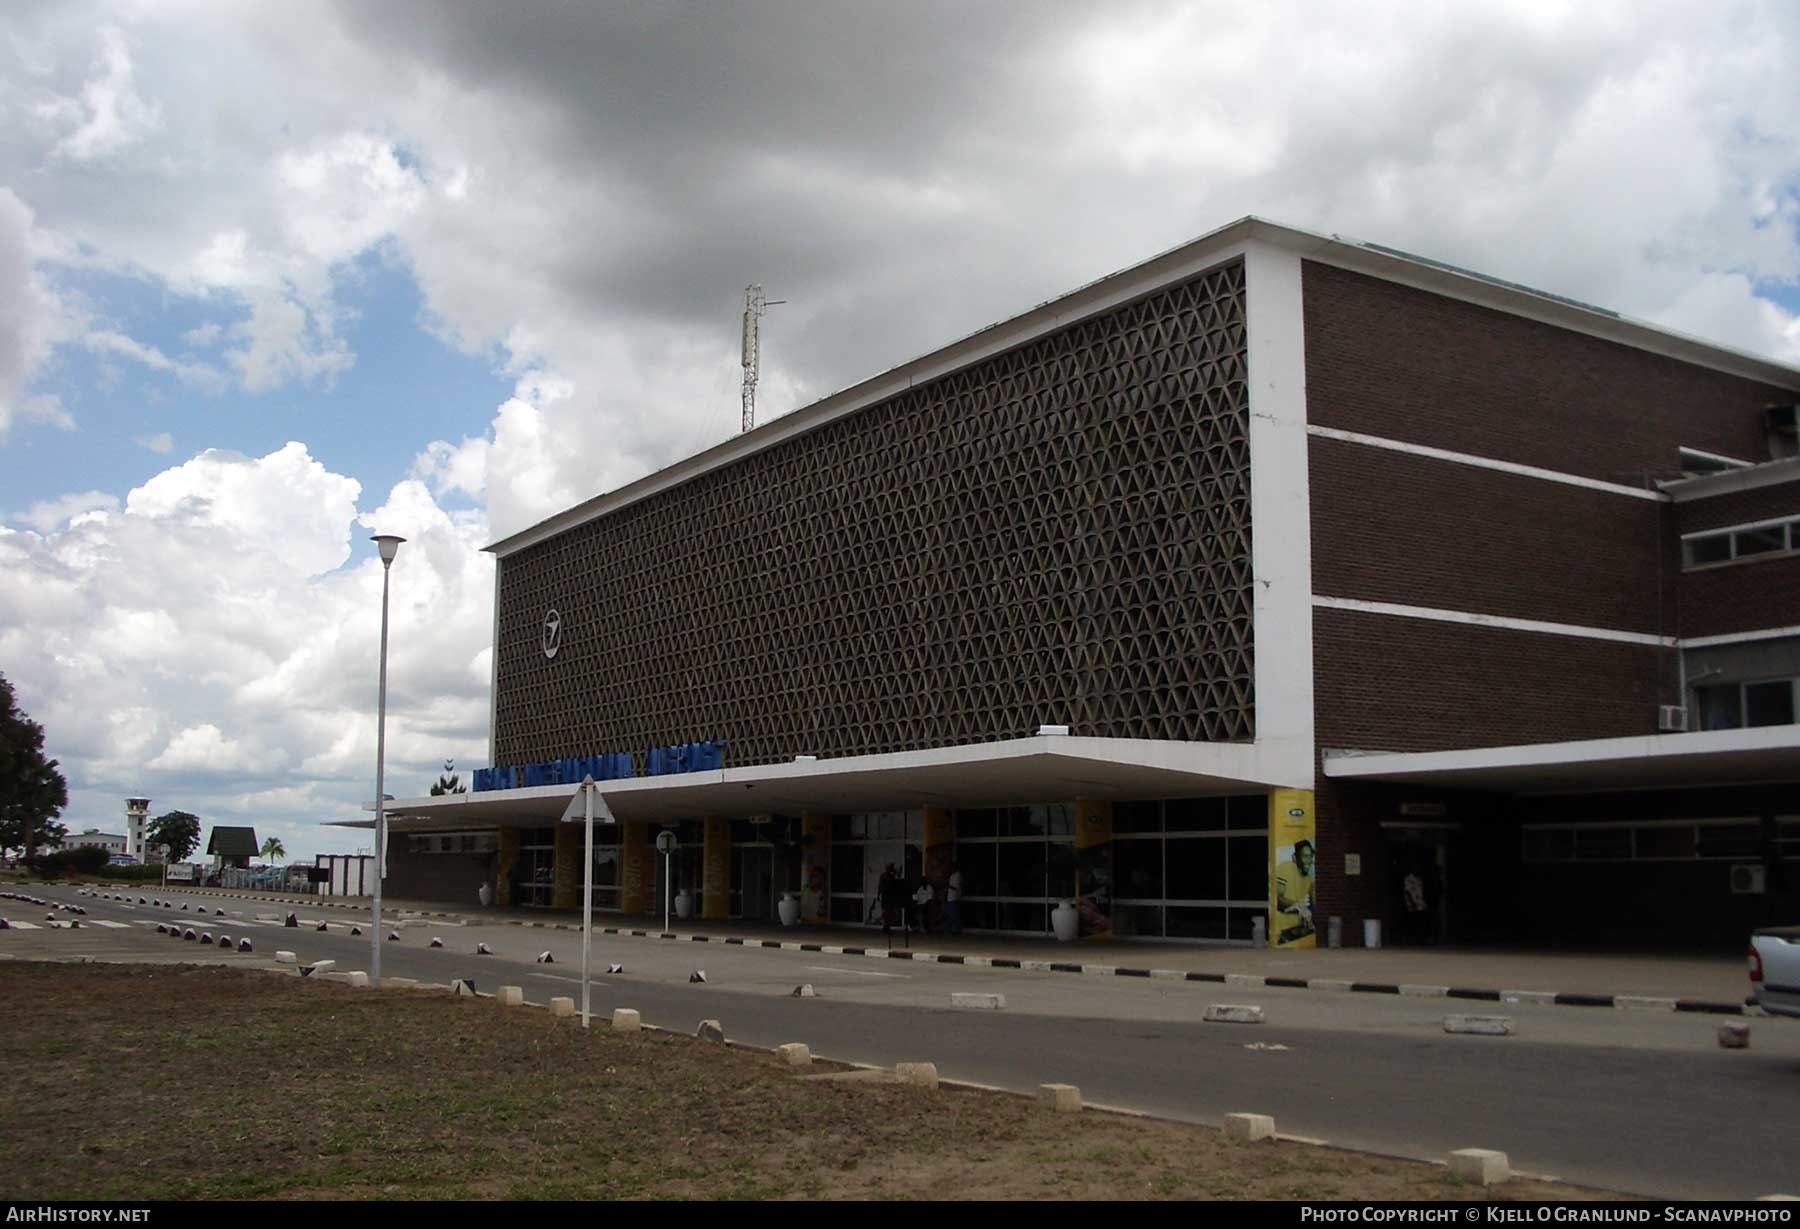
[32, 791]
[272, 849]
[448, 783]
[178, 830]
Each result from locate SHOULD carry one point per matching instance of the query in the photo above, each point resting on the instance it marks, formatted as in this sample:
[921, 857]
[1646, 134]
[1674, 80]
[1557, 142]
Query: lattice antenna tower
[755, 304]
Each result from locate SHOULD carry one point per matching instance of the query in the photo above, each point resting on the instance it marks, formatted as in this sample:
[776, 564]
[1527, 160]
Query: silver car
[1775, 969]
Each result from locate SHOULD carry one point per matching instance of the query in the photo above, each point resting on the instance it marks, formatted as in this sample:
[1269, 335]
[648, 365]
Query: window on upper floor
[1741, 542]
[1733, 706]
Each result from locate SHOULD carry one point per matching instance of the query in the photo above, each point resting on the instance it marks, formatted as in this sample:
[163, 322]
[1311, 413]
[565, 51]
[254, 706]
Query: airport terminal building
[1278, 579]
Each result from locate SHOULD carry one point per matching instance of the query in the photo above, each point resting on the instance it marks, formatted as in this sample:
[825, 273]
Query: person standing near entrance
[953, 901]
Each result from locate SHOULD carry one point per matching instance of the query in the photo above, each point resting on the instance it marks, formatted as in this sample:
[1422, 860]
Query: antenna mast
[754, 307]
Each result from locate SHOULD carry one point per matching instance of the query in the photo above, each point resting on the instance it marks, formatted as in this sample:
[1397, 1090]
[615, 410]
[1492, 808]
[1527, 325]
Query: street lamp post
[389, 545]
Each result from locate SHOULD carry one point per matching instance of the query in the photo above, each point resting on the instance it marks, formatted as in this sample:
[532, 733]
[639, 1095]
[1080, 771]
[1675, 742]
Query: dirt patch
[178, 1082]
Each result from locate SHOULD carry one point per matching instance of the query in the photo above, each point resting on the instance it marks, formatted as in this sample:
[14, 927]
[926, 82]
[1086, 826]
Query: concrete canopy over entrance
[1765, 755]
[979, 774]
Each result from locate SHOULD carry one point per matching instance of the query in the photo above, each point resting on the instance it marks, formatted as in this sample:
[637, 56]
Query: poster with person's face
[1293, 858]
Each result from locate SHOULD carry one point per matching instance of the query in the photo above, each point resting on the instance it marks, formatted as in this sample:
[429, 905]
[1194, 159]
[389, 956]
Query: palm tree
[272, 849]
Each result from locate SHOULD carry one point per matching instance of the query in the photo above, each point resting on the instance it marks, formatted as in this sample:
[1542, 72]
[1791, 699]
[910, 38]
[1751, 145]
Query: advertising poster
[1293, 855]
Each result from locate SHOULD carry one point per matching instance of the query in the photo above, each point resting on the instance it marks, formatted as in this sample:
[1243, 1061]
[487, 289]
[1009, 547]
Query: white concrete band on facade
[1480, 462]
[1471, 618]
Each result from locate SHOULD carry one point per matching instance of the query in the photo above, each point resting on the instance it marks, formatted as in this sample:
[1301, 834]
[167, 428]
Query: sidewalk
[1694, 982]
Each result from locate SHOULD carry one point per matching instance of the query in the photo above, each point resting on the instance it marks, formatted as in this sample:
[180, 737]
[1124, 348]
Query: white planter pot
[788, 908]
[1064, 922]
[486, 894]
[684, 904]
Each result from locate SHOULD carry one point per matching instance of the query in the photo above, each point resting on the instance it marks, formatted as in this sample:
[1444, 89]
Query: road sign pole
[587, 898]
[667, 876]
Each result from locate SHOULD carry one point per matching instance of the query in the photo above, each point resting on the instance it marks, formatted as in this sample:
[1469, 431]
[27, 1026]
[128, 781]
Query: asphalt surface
[1638, 1101]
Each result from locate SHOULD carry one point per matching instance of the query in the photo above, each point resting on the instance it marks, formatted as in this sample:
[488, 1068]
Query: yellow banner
[1293, 855]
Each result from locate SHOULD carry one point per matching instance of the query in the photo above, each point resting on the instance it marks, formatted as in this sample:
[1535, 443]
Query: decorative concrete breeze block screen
[1058, 534]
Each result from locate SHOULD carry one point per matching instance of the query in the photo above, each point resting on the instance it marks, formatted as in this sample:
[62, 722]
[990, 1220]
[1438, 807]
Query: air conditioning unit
[1749, 879]
[1671, 718]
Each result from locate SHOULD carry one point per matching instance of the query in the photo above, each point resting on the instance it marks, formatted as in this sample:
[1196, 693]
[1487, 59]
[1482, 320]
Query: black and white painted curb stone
[1236, 980]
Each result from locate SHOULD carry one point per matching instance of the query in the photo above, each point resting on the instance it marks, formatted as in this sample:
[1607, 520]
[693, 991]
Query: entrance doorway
[753, 883]
[1418, 883]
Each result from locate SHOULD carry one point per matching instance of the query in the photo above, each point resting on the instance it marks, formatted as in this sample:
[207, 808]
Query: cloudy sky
[275, 276]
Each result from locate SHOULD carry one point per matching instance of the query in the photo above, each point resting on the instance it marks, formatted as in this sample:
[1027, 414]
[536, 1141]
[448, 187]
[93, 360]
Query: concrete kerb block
[1642, 1002]
[1734, 1036]
[399, 983]
[626, 1020]
[512, 996]
[1423, 992]
[286, 958]
[1479, 1026]
[1097, 970]
[1034, 966]
[357, 980]
[919, 1075]
[794, 1054]
[1233, 1013]
[1245, 981]
[711, 1030]
[562, 1007]
[462, 988]
[1482, 1166]
[1169, 974]
[983, 1002]
[978, 962]
[1061, 1098]
[1534, 998]
[1248, 1128]
[1329, 983]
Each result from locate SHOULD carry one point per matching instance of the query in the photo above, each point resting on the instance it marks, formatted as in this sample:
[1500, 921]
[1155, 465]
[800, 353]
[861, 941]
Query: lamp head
[389, 546]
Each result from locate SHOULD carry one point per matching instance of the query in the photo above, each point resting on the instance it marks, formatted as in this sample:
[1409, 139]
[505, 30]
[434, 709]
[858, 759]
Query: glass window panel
[1769, 703]
[1194, 814]
[847, 909]
[1031, 918]
[1249, 860]
[1055, 818]
[1248, 811]
[847, 827]
[915, 827]
[1720, 707]
[1138, 868]
[1759, 541]
[1062, 869]
[846, 868]
[1602, 844]
[977, 865]
[743, 832]
[606, 867]
[978, 915]
[1137, 817]
[1665, 842]
[1021, 821]
[1196, 869]
[1138, 921]
[1242, 923]
[1196, 923]
[1021, 869]
[1716, 549]
[1730, 840]
[975, 823]
[887, 826]
[1549, 844]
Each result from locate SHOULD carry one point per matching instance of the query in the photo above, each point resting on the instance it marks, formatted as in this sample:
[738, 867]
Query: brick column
[565, 889]
[815, 868]
[637, 868]
[503, 867]
[715, 896]
[1093, 867]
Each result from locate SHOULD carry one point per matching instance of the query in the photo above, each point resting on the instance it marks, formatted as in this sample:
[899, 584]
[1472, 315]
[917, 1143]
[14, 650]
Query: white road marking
[26, 926]
[573, 980]
[825, 968]
[109, 925]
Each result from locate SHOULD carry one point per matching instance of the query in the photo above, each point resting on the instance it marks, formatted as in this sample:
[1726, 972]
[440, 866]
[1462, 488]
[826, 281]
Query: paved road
[1636, 1101]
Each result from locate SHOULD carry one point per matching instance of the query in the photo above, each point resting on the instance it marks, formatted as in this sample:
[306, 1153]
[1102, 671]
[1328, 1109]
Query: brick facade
[1388, 360]
[1741, 597]
[1394, 527]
